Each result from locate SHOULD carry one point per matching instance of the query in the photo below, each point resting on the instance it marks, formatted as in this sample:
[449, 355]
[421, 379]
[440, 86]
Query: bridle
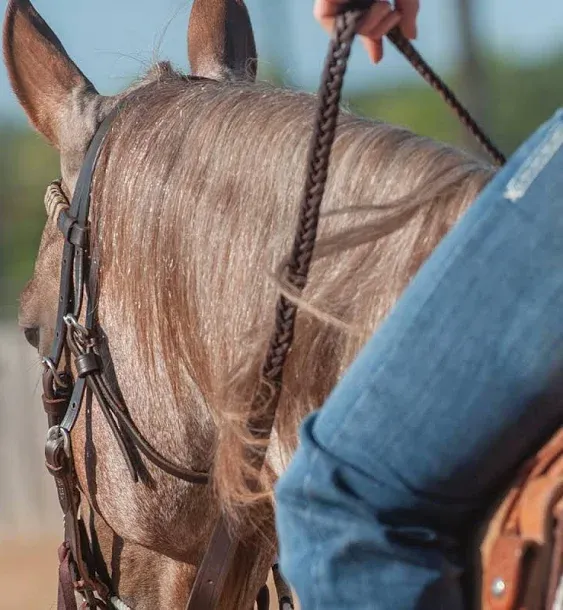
[62, 399]
[77, 336]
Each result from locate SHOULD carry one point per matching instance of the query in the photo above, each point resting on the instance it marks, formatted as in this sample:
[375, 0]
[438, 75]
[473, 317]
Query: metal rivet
[498, 587]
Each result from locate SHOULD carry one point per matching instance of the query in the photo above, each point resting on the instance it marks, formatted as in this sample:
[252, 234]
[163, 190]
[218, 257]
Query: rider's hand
[381, 18]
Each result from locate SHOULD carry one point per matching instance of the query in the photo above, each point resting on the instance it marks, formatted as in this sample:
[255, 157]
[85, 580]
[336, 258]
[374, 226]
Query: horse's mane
[196, 203]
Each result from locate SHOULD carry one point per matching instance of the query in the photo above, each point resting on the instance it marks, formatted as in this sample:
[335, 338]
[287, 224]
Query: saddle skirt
[522, 550]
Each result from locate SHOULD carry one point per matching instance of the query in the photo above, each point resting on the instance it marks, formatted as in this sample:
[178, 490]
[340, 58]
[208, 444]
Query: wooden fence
[28, 504]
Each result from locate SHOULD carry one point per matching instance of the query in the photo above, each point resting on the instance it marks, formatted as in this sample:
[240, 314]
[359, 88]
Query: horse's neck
[140, 577]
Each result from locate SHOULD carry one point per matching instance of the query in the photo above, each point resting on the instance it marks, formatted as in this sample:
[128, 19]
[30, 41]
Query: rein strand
[264, 405]
[416, 60]
[212, 573]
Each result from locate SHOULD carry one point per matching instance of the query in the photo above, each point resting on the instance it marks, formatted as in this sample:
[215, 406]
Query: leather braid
[428, 74]
[212, 573]
[264, 406]
[319, 156]
[263, 409]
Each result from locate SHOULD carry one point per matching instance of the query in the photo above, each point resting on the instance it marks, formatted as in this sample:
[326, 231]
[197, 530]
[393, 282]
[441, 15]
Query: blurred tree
[27, 165]
[473, 83]
[276, 17]
[522, 96]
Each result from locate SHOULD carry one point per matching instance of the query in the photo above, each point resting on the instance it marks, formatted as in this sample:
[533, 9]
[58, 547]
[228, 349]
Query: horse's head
[194, 195]
[64, 106]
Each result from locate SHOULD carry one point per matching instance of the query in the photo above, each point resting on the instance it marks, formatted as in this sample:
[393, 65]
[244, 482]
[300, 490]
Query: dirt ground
[28, 574]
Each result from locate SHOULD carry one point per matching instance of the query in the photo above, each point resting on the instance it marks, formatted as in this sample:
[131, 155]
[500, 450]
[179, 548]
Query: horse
[193, 207]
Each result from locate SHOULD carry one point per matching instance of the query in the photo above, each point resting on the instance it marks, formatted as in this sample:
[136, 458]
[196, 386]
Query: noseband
[78, 339]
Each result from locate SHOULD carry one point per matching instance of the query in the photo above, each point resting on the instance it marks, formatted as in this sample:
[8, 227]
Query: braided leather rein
[299, 263]
[209, 581]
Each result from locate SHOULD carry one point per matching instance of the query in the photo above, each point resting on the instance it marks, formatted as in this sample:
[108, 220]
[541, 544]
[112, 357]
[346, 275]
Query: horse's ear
[220, 40]
[47, 83]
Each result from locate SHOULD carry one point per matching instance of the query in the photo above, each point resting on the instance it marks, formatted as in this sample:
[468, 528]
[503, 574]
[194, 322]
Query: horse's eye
[32, 335]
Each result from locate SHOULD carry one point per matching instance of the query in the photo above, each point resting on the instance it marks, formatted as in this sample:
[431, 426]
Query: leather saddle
[522, 550]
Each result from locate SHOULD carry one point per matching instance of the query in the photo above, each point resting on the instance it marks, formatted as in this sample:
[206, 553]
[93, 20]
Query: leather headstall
[65, 386]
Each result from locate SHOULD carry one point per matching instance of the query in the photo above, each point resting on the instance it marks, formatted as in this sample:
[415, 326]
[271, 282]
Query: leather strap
[522, 552]
[78, 212]
[213, 571]
[263, 599]
[63, 401]
[556, 572]
[66, 599]
[73, 572]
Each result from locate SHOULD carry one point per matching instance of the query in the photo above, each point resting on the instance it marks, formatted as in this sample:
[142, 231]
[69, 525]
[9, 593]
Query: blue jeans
[458, 386]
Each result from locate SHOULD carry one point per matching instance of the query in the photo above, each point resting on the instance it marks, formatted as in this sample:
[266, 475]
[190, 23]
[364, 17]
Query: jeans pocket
[537, 160]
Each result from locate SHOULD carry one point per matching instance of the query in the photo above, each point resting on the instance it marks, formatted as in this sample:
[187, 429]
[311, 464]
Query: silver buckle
[59, 434]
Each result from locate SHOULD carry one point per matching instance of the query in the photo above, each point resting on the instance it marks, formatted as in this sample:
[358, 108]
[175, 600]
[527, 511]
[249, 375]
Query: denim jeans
[458, 386]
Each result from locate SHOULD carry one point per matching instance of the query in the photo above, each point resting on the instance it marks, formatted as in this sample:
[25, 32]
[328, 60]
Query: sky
[114, 40]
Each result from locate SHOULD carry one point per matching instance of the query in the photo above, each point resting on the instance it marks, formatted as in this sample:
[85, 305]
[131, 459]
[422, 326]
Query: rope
[421, 66]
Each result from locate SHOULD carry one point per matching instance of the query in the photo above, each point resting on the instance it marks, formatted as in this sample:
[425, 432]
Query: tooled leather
[519, 548]
[536, 508]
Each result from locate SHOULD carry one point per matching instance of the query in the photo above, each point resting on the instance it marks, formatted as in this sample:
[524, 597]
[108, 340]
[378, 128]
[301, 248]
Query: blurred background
[504, 59]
